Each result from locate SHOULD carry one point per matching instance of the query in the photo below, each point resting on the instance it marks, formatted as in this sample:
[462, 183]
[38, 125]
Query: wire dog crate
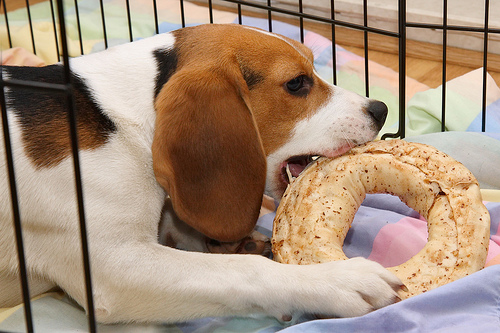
[303, 14]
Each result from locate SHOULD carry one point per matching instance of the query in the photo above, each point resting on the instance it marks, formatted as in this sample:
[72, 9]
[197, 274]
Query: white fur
[337, 124]
[134, 278]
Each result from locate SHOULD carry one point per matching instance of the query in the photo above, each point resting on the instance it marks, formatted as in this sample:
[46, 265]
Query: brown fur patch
[43, 116]
[266, 69]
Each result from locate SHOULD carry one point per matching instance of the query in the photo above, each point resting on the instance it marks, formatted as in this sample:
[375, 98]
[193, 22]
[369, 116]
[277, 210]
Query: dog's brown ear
[207, 153]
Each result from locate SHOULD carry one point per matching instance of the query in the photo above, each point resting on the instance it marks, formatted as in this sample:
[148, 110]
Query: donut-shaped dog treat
[318, 208]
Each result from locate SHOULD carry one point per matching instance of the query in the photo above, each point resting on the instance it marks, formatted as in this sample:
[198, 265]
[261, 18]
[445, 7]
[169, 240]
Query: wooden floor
[423, 62]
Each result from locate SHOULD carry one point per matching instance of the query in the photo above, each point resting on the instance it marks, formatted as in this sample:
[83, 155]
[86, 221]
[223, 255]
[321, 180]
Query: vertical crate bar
[77, 172]
[402, 24]
[301, 22]
[7, 27]
[103, 20]
[269, 16]
[16, 211]
[30, 22]
[16, 214]
[211, 11]
[155, 14]
[79, 27]
[402, 67]
[365, 41]
[485, 61]
[334, 50]
[183, 17]
[129, 21]
[54, 26]
[443, 83]
[240, 16]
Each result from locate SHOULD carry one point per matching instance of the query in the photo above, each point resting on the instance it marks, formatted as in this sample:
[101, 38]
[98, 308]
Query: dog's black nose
[378, 111]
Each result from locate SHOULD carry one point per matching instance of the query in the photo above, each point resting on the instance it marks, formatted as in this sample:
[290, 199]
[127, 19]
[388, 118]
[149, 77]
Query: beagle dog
[209, 116]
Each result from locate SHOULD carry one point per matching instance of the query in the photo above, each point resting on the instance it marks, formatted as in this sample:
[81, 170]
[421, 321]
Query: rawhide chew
[318, 208]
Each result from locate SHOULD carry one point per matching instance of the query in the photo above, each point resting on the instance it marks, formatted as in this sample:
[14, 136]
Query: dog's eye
[299, 86]
[295, 84]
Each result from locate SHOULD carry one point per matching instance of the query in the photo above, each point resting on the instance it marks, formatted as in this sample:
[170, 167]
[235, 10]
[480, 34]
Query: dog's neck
[125, 77]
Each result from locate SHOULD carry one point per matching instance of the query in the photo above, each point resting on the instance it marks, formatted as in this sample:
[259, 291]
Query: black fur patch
[44, 119]
[166, 60]
[251, 77]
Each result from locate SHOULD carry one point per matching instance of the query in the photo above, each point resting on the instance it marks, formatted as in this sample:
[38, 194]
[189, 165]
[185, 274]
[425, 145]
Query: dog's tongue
[296, 167]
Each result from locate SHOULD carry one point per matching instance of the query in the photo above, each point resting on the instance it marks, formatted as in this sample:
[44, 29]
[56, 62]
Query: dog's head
[239, 106]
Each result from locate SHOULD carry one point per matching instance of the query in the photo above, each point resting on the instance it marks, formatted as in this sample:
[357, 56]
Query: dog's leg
[175, 233]
[156, 283]
[10, 288]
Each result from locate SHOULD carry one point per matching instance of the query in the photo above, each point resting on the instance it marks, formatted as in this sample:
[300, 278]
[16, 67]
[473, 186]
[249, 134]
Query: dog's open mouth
[294, 166]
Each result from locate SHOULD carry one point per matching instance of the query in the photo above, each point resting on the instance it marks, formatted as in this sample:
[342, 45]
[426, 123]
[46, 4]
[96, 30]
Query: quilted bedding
[384, 229]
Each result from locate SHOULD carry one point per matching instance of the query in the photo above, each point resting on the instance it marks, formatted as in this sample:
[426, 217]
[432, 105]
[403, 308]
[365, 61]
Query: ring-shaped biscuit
[318, 208]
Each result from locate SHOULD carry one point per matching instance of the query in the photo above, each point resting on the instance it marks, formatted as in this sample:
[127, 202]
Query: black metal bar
[54, 26]
[269, 15]
[316, 18]
[365, 41]
[334, 50]
[402, 68]
[211, 11]
[15, 210]
[485, 62]
[77, 172]
[443, 83]
[16, 213]
[402, 24]
[129, 20]
[7, 23]
[240, 16]
[183, 16]
[30, 22]
[301, 22]
[432, 26]
[35, 85]
[155, 13]
[103, 20]
[79, 26]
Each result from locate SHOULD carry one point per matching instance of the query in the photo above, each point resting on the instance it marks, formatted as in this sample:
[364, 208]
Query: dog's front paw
[357, 286]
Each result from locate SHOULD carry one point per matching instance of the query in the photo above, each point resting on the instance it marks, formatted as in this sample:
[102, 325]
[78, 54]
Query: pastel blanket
[384, 230]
